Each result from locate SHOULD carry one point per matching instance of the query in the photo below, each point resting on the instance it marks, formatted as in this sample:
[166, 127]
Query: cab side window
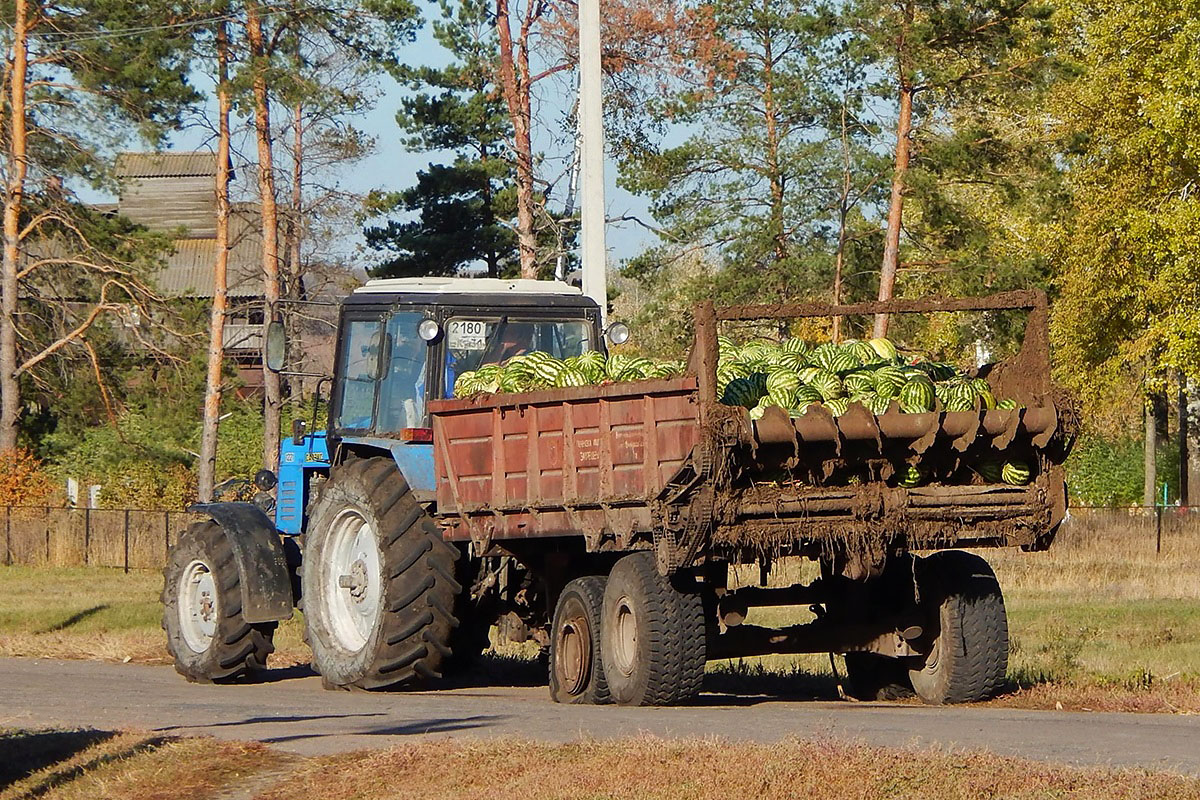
[361, 344]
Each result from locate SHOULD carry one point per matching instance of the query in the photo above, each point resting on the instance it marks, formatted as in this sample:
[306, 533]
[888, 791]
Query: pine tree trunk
[839, 261]
[514, 83]
[272, 385]
[1184, 433]
[774, 173]
[1193, 446]
[891, 246]
[10, 398]
[216, 343]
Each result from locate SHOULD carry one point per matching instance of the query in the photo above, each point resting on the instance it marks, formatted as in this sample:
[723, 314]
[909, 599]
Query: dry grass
[682, 770]
[97, 765]
[74, 765]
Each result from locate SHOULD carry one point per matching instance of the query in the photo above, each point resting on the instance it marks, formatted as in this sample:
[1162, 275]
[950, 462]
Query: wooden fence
[136, 539]
[80, 537]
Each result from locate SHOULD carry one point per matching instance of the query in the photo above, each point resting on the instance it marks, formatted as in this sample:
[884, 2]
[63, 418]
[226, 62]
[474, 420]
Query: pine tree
[462, 207]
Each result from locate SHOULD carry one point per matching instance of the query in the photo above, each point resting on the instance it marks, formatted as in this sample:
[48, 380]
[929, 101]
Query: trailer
[604, 522]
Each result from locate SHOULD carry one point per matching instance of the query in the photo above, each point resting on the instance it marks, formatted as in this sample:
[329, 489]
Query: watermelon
[863, 352]
[571, 376]
[806, 395]
[790, 361]
[843, 362]
[796, 346]
[1008, 404]
[743, 392]
[859, 382]
[888, 381]
[837, 405]
[910, 476]
[823, 356]
[884, 349]
[782, 387]
[808, 373]
[828, 384]
[1016, 473]
[916, 396]
[991, 469]
[466, 385]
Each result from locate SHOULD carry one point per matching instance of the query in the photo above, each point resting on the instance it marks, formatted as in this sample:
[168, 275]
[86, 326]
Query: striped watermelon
[884, 349]
[806, 395]
[992, 470]
[859, 382]
[916, 395]
[823, 356]
[863, 352]
[808, 373]
[1008, 404]
[1016, 473]
[837, 405]
[743, 392]
[782, 387]
[844, 362]
[796, 346]
[571, 376]
[793, 361]
[910, 476]
[888, 381]
[828, 384]
[466, 385]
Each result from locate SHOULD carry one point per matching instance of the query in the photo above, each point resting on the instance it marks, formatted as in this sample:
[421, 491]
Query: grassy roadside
[1101, 621]
[96, 765]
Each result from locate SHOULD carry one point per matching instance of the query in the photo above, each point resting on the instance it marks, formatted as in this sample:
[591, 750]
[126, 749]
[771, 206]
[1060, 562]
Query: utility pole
[591, 126]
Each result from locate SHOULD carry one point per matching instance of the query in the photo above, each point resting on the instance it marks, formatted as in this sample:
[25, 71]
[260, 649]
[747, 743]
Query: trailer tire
[202, 610]
[652, 636]
[968, 640]
[379, 582]
[576, 664]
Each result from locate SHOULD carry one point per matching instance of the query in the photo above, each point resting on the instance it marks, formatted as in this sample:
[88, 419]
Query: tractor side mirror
[299, 428]
[276, 344]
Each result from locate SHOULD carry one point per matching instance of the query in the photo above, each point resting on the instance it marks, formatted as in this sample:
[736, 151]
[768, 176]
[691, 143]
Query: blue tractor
[386, 600]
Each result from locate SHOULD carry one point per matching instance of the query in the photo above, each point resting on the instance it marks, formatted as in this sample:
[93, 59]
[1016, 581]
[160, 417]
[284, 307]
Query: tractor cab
[403, 342]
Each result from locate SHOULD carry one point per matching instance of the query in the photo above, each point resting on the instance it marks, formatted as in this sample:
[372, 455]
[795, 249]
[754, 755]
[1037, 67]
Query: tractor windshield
[474, 341]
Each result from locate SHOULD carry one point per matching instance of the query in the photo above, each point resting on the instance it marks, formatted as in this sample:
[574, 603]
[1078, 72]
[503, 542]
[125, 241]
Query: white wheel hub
[199, 607]
[625, 636]
[353, 585]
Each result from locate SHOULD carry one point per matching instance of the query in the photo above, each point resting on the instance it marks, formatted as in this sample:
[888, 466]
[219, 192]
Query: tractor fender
[261, 561]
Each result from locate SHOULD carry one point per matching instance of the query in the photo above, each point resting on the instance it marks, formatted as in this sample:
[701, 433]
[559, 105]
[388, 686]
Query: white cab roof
[466, 286]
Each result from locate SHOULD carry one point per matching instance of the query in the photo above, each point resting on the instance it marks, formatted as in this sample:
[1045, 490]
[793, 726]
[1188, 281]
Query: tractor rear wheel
[576, 664]
[378, 580]
[652, 636]
[967, 644]
[202, 610]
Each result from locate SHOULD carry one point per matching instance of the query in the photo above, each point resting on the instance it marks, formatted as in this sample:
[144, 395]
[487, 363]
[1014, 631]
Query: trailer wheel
[968, 651]
[378, 578]
[652, 636]
[202, 610]
[576, 664]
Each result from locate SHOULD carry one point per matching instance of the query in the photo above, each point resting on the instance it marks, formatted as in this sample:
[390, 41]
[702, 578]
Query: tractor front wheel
[378, 580]
[202, 610]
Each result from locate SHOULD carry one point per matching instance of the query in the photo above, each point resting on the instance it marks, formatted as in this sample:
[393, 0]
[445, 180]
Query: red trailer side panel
[586, 460]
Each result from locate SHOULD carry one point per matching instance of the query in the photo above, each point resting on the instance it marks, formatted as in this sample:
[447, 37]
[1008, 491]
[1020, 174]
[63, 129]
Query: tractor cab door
[382, 386]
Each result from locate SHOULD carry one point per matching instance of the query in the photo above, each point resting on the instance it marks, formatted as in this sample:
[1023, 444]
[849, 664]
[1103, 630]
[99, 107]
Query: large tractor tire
[378, 581]
[652, 636]
[576, 663]
[968, 635]
[202, 610]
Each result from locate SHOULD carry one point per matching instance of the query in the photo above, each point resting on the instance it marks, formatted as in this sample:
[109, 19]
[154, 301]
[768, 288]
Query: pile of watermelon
[532, 371]
[793, 376]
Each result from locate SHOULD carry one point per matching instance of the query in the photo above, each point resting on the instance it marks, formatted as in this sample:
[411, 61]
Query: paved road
[296, 714]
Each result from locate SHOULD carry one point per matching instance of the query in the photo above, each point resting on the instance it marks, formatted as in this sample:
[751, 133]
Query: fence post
[167, 536]
[87, 534]
[1158, 512]
[8, 536]
[47, 536]
[127, 541]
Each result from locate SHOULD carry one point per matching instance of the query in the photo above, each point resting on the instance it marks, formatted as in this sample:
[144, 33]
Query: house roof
[189, 270]
[166, 165]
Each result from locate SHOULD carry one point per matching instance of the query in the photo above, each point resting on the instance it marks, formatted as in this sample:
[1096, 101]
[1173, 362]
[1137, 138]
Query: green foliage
[1110, 471]
[1127, 249]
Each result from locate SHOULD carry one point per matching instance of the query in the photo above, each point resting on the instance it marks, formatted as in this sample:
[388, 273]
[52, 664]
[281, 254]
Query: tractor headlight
[429, 329]
[617, 333]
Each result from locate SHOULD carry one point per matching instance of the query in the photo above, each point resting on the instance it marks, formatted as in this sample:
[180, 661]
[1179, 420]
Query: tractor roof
[470, 292]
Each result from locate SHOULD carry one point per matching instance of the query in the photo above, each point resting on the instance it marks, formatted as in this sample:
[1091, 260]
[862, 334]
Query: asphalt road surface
[293, 712]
